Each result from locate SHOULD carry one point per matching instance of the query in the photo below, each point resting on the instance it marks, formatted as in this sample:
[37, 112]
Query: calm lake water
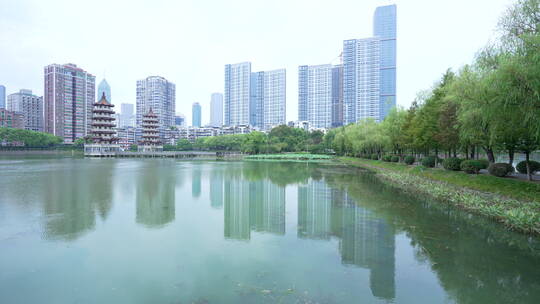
[168, 231]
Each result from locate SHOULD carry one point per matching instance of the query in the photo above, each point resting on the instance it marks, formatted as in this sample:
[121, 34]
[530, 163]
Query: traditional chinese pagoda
[103, 134]
[150, 133]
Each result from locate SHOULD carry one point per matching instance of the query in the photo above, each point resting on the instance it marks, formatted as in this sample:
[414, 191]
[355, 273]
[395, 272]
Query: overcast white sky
[188, 42]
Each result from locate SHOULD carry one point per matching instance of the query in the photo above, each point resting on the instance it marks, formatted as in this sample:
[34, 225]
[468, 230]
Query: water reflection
[365, 240]
[216, 188]
[256, 205]
[155, 195]
[196, 181]
[73, 197]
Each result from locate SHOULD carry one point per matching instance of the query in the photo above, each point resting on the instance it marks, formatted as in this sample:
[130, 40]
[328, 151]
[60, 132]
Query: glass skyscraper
[104, 87]
[196, 115]
[216, 110]
[385, 27]
[2, 97]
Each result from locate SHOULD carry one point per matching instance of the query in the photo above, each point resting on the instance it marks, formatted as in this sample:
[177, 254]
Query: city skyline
[427, 61]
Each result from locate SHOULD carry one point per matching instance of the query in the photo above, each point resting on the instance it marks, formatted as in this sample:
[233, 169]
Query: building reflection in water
[252, 205]
[155, 196]
[365, 240]
[71, 210]
[196, 181]
[216, 189]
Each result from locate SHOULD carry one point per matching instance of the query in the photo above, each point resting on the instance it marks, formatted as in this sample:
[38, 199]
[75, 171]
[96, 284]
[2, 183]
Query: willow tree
[472, 90]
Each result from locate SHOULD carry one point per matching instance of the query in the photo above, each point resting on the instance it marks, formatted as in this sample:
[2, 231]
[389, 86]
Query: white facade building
[158, 94]
[274, 101]
[361, 80]
[315, 95]
[237, 93]
[30, 106]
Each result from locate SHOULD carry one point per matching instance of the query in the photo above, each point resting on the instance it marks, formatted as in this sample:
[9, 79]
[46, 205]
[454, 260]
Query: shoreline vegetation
[513, 203]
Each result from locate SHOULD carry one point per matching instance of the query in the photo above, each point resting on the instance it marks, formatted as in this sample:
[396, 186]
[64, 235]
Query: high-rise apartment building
[385, 28]
[369, 70]
[127, 117]
[69, 94]
[158, 94]
[315, 95]
[337, 96]
[104, 88]
[268, 99]
[196, 115]
[361, 80]
[274, 99]
[2, 97]
[30, 106]
[257, 99]
[237, 94]
[216, 110]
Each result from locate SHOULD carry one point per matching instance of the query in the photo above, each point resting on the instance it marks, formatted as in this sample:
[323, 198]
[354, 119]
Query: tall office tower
[159, 94]
[337, 96]
[30, 106]
[216, 110]
[361, 80]
[2, 97]
[127, 118]
[104, 87]
[196, 114]
[237, 94]
[69, 94]
[315, 95]
[385, 28]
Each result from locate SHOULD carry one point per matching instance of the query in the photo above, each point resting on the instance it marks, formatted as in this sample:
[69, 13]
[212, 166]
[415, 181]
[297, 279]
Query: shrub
[387, 158]
[452, 163]
[409, 160]
[471, 166]
[500, 169]
[374, 156]
[395, 159]
[428, 161]
[522, 166]
[484, 163]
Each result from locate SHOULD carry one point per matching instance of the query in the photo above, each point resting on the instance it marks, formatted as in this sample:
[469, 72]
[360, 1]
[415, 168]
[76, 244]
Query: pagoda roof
[103, 100]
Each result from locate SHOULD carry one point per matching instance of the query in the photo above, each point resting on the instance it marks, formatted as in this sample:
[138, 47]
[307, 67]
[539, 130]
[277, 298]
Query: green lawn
[517, 189]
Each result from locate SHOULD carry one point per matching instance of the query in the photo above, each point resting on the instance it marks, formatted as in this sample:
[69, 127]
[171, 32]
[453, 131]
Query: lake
[76, 230]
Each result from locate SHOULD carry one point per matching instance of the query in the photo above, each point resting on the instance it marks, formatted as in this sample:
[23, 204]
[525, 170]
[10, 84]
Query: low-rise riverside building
[10, 119]
[126, 137]
[103, 134]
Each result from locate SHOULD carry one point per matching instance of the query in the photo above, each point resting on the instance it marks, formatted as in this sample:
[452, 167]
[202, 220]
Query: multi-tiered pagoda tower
[103, 134]
[150, 133]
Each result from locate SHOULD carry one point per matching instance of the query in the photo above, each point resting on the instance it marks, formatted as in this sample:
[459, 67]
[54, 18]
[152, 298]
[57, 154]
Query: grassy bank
[291, 156]
[514, 203]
